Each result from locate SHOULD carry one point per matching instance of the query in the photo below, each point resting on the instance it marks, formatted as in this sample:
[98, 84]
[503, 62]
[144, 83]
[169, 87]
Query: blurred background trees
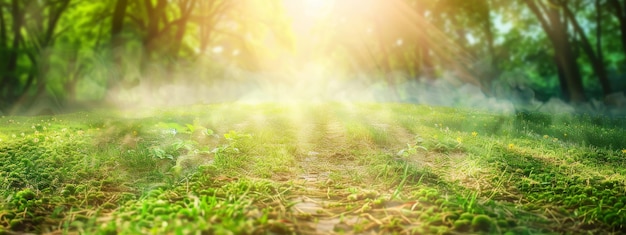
[68, 53]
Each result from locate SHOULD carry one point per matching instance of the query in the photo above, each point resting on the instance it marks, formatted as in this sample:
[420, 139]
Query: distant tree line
[79, 50]
[572, 49]
[63, 49]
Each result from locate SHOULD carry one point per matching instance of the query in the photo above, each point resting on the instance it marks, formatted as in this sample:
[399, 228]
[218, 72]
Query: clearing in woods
[331, 168]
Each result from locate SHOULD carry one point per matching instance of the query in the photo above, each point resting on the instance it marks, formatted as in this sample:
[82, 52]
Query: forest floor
[333, 168]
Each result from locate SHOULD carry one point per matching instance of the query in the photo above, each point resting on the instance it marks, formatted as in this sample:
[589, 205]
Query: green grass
[314, 169]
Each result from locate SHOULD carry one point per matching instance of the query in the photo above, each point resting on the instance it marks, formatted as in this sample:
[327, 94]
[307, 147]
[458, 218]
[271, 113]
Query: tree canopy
[72, 52]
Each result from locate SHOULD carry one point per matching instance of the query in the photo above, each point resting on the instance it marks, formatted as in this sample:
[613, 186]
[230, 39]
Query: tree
[32, 30]
[553, 22]
[595, 57]
[64, 47]
[619, 10]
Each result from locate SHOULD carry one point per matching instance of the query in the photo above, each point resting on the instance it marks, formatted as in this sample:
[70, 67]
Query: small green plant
[469, 202]
[482, 223]
[157, 152]
[175, 128]
[410, 150]
[462, 225]
[188, 145]
[230, 154]
[403, 180]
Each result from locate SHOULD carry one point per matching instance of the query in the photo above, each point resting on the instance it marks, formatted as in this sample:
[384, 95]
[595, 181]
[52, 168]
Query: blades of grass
[499, 183]
[402, 182]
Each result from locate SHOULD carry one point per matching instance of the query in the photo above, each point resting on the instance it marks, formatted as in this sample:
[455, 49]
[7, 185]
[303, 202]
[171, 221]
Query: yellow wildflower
[624, 151]
[458, 139]
[511, 146]
[474, 133]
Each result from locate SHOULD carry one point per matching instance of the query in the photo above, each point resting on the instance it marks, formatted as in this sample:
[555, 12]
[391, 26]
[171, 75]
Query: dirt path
[337, 193]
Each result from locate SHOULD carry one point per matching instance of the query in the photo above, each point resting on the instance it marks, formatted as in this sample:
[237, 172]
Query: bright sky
[305, 13]
[312, 9]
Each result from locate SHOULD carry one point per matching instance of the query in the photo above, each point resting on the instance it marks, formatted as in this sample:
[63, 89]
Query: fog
[316, 84]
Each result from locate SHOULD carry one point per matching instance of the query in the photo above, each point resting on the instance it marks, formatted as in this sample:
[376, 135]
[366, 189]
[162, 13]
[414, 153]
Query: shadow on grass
[569, 193]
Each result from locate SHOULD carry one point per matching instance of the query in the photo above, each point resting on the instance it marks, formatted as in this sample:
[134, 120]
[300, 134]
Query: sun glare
[318, 8]
[306, 13]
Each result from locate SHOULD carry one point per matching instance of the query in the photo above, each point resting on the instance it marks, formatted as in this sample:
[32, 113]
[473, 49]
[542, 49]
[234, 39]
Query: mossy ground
[312, 169]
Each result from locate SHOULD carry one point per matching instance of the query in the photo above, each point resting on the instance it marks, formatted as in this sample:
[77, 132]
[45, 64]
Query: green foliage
[233, 153]
[92, 51]
[482, 223]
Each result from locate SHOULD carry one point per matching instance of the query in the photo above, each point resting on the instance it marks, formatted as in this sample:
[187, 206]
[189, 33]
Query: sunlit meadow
[306, 146]
[312, 168]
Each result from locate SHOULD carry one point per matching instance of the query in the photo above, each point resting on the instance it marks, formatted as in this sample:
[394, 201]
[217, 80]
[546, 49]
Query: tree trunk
[3, 30]
[4, 47]
[9, 80]
[565, 59]
[117, 25]
[425, 63]
[117, 22]
[54, 14]
[155, 18]
[562, 81]
[620, 12]
[214, 9]
[185, 8]
[595, 58]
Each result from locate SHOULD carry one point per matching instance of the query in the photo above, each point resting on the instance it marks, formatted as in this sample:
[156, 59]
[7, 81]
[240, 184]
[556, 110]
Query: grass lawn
[326, 168]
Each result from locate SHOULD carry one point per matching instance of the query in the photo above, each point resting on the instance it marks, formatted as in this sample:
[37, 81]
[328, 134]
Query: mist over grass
[315, 84]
